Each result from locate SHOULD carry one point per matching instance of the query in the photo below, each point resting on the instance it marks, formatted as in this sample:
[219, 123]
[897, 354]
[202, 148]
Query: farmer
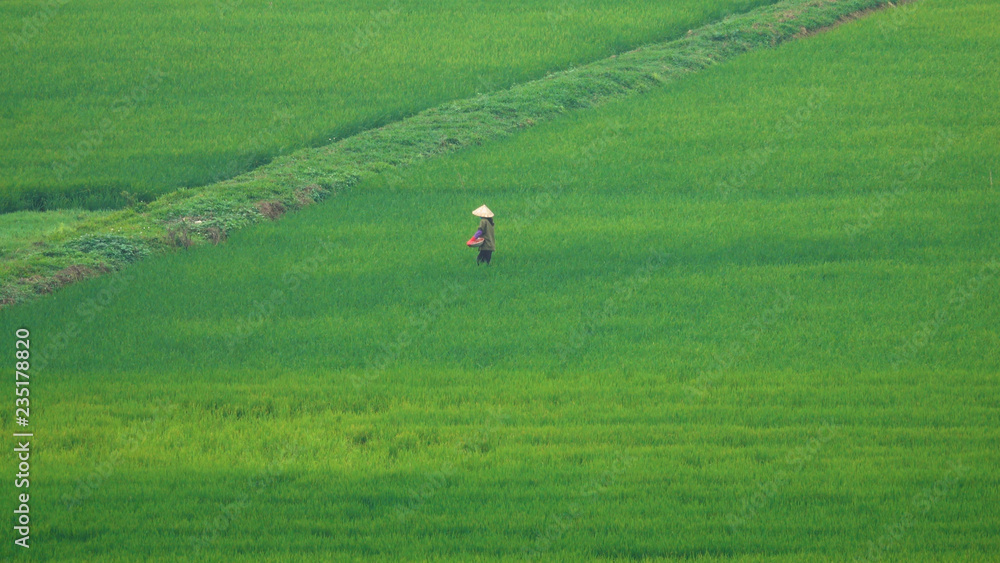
[486, 232]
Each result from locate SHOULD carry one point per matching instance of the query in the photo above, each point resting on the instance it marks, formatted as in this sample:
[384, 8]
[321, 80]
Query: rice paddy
[749, 316]
[106, 102]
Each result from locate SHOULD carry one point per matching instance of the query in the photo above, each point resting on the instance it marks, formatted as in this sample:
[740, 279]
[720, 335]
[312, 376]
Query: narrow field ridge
[208, 214]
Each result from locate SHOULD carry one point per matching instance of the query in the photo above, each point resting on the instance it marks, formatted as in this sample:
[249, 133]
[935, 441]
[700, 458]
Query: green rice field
[105, 102]
[749, 316]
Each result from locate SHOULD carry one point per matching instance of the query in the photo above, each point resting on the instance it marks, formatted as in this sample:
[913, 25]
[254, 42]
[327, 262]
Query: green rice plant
[310, 175]
[750, 316]
[104, 103]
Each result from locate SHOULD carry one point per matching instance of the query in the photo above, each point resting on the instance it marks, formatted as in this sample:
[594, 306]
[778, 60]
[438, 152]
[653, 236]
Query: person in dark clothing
[486, 232]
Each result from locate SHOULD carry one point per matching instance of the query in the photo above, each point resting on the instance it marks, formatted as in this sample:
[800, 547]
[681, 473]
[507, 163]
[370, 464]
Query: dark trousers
[484, 256]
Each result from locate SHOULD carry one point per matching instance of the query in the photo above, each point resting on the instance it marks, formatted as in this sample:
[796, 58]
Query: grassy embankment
[752, 315]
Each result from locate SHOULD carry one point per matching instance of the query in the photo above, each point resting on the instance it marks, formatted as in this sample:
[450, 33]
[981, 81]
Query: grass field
[99, 98]
[752, 316]
[37, 264]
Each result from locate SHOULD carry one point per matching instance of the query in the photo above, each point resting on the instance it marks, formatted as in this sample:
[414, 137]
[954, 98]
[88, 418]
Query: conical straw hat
[483, 212]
